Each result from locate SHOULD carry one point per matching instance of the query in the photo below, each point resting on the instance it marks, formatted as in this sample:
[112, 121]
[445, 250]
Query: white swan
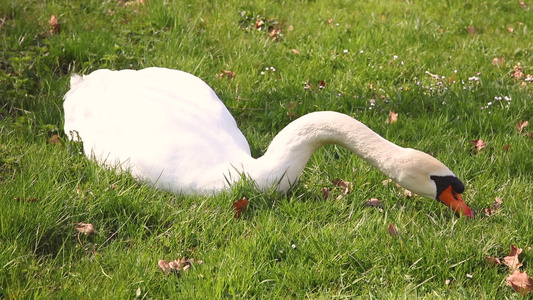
[168, 127]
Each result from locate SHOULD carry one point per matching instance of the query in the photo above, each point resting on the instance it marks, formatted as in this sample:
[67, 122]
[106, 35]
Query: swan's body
[169, 128]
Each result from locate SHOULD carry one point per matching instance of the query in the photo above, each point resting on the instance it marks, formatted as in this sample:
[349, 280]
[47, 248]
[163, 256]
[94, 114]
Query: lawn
[454, 71]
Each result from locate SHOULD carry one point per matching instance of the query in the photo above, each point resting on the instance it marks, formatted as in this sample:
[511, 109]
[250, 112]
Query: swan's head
[424, 175]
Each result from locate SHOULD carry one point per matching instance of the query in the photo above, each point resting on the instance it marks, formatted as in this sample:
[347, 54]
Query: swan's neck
[291, 149]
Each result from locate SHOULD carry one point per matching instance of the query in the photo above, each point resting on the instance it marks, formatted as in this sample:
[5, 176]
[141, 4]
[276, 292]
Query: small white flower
[262, 72]
[401, 63]
[497, 98]
[507, 98]
[473, 78]
[489, 104]
[395, 57]
[345, 51]
[361, 51]
[455, 71]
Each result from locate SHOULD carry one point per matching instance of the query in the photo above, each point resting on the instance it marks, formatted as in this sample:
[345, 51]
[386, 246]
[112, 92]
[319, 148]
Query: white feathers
[168, 127]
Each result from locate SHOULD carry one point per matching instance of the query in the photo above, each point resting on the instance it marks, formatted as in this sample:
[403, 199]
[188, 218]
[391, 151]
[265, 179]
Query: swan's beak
[455, 202]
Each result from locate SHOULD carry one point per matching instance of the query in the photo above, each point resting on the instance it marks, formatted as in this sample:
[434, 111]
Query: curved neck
[291, 149]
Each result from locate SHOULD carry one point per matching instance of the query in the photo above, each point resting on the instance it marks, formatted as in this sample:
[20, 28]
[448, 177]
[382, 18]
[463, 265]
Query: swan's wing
[155, 119]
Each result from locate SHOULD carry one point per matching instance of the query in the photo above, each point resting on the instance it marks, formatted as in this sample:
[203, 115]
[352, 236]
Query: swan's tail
[74, 80]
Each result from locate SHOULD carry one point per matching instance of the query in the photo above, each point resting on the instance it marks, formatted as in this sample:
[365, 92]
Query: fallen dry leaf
[321, 84]
[392, 230]
[164, 266]
[274, 33]
[493, 260]
[85, 228]
[522, 4]
[510, 29]
[240, 206]
[472, 30]
[295, 51]
[325, 193]
[374, 202]
[479, 144]
[54, 140]
[498, 61]
[495, 207]
[517, 71]
[55, 27]
[407, 193]
[506, 147]
[178, 265]
[344, 184]
[520, 282]
[512, 259]
[521, 125]
[393, 117]
[226, 73]
[386, 181]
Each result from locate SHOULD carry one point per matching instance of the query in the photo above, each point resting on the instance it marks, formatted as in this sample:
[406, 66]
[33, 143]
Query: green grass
[342, 248]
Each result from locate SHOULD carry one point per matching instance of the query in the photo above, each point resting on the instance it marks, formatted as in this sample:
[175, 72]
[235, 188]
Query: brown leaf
[178, 265]
[85, 228]
[164, 266]
[497, 203]
[344, 184]
[325, 193]
[472, 30]
[226, 73]
[522, 4]
[479, 144]
[506, 147]
[240, 206]
[54, 140]
[517, 71]
[55, 27]
[407, 193]
[374, 202]
[392, 230]
[498, 61]
[521, 125]
[295, 51]
[493, 260]
[274, 33]
[510, 29]
[512, 259]
[495, 207]
[321, 84]
[393, 117]
[520, 282]
[386, 181]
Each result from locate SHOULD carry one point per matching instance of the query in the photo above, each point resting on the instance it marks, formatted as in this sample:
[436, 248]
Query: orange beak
[455, 202]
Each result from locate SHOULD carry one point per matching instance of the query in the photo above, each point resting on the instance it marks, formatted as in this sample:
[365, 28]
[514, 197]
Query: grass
[372, 56]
